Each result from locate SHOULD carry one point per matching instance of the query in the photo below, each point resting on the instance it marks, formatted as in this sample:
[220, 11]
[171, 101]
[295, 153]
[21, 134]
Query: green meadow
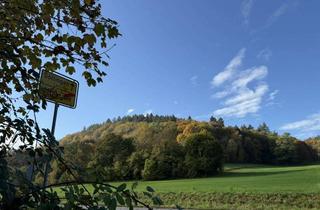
[248, 178]
[245, 186]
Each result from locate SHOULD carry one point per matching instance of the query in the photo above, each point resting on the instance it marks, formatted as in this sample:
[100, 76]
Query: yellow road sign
[59, 89]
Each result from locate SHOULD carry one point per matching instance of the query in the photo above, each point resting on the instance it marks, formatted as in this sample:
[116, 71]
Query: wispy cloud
[247, 76]
[277, 13]
[229, 70]
[242, 79]
[271, 98]
[272, 95]
[274, 16]
[202, 117]
[221, 94]
[147, 112]
[175, 102]
[130, 111]
[194, 80]
[239, 98]
[265, 54]
[311, 123]
[245, 102]
[247, 94]
[246, 7]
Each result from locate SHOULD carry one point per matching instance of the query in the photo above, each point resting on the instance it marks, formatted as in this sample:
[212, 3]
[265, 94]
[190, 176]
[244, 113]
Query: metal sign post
[60, 90]
[47, 166]
[55, 113]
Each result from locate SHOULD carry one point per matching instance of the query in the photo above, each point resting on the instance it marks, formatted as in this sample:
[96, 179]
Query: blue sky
[247, 61]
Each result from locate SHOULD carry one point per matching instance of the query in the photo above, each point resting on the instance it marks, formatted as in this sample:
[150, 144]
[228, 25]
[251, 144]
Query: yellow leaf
[88, 2]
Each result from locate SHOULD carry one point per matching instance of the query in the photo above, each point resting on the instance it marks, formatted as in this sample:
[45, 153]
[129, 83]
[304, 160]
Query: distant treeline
[156, 147]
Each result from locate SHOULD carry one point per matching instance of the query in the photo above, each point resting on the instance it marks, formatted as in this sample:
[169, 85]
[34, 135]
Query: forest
[152, 147]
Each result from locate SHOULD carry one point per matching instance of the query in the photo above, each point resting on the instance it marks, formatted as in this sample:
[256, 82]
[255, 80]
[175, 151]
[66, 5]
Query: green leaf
[103, 44]
[48, 9]
[129, 203]
[106, 198]
[99, 79]
[108, 189]
[149, 195]
[91, 82]
[75, 8]
[134, 185]
[105, 63]
[27, 97]
[35, 62]
[157, 201]
[95, 191]
[90, 39]
[113, 32]
[149, 189]
[87, 75]
[99, 29]
[38, 37]
[120, 199]
[70, 69]
[64, 62]
[113, 204]
[121, 187]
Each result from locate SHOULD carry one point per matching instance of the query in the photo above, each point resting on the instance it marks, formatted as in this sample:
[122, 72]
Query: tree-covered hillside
[155, 147]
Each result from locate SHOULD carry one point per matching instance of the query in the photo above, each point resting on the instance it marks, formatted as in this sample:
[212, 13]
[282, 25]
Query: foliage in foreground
[48, 35]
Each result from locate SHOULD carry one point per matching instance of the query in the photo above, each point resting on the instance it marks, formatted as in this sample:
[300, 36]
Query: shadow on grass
[255, 173]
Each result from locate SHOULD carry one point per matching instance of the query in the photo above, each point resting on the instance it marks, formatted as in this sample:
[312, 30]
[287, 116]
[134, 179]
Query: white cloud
[229, 70]
[272, 97]
[239, 110]
[280, 11]
[202, 117]
[221, 94]
[311, 123]
[277, 13]
[194, 80]
[239, 98]
[255, 73]
[306, 135]
[175, 102]
[246, 7]
[265, 54]
[130, 111]
[245, 102]
[273, 94]
[247, 95]
[147, 112]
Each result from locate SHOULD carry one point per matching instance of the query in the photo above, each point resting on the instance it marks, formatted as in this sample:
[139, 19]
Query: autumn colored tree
[166, 161]
[111, 156]
[204, 155]
[286, 150]
[160, 146]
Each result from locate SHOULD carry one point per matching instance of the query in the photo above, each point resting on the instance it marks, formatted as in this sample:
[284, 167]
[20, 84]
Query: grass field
[245, 187]
[248, 178]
